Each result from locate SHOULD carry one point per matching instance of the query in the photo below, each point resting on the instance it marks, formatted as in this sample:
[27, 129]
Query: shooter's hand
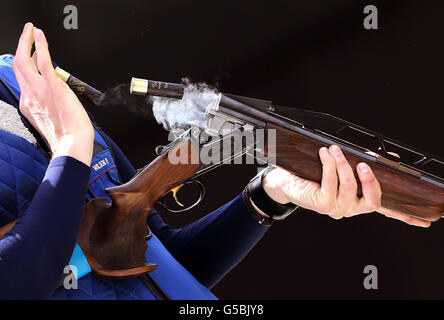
[336, 196]
[48, 103]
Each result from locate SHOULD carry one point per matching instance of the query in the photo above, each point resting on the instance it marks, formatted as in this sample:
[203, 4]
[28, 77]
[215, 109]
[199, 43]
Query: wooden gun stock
[112, 234]
[402, 191]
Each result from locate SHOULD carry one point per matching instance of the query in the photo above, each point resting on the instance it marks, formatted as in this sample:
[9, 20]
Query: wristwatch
[261, 206]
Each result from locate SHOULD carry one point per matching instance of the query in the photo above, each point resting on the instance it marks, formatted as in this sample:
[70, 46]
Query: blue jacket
[190, 260]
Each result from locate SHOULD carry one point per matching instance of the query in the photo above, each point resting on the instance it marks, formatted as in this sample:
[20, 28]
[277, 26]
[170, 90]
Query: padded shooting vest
[22, 168]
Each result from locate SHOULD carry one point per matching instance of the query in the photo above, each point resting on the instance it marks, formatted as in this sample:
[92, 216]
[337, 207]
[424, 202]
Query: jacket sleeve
[213, 245]
[36, 250]
[210, 247]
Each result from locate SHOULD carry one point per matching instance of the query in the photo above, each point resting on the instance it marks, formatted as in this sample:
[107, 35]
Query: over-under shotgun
[112, 233]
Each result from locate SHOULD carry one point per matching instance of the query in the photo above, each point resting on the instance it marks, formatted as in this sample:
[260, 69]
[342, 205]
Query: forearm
[34, 253]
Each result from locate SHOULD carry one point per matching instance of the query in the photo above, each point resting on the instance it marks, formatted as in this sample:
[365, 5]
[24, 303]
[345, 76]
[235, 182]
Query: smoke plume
[119, 96]
[175, 115]
[179, 115]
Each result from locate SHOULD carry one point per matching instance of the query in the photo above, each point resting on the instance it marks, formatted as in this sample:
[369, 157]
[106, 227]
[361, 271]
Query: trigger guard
[201, 196]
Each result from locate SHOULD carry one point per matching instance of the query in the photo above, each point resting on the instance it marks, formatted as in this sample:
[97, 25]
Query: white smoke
[177, 115]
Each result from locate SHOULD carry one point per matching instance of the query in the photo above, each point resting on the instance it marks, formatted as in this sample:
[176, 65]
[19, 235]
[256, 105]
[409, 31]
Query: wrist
[78, 146]
[273, 183]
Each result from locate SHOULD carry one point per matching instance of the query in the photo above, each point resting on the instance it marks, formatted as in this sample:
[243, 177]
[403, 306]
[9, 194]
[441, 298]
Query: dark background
[310, 54]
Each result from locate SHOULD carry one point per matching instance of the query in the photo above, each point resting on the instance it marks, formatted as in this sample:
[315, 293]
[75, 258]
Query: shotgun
[112, 233]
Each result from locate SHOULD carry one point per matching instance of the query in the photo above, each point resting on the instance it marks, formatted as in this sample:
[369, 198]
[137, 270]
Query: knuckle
[42, 65]
[368, 178]
[349, 184]
[46, 66]
[17, 63]
[43, 59]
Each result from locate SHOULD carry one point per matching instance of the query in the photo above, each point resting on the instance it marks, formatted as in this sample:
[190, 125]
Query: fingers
[343, 201]
[34, 58]
[24, 86]
[347, 182]
[44, 62]
[405, 218]
[371, 189]
[326, 196]
[22, 60]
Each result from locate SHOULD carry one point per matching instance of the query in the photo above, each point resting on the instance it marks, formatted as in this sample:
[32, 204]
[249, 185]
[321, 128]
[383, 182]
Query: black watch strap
[273, 210]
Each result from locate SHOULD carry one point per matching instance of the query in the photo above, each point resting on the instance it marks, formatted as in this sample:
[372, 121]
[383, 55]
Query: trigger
[174, 191]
